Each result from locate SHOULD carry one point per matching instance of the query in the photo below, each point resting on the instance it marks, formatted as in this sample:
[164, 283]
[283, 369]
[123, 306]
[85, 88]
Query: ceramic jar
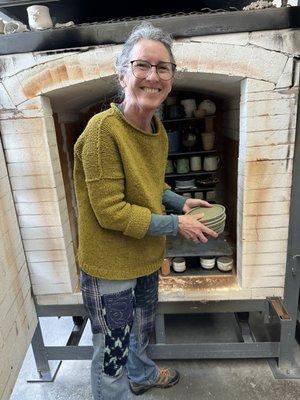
[211, 163]
[199, 195]
[182, 165]
[169, 167]
[225, 263]
[165, 268]
[39, 17]
[14, 27]
[195, 162]
[207, 263]
[189, 107]
[179, 264]
[174, 141]
[208, 140]
[208, 106]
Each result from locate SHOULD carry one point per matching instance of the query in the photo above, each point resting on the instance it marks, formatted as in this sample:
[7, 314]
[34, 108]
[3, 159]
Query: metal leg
[45, 373]
[160, 332]
[286, 367]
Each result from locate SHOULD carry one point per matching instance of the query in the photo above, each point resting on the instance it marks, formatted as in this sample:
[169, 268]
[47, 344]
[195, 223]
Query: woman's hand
[191, 228]
[191, 203]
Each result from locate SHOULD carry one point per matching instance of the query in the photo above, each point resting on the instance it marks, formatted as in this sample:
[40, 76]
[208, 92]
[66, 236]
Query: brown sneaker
[167, 377]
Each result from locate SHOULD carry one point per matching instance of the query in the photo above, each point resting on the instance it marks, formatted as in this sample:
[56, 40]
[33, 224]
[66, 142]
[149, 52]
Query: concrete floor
[204, 379]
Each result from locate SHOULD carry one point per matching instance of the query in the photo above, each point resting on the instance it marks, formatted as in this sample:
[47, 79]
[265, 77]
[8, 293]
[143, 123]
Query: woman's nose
[153, 75]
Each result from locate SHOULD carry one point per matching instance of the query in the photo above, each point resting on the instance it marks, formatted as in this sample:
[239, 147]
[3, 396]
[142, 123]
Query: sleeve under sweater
[167, 224]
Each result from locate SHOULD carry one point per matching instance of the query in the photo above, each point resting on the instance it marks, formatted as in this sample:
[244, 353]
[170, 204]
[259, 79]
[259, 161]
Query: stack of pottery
[214, 217]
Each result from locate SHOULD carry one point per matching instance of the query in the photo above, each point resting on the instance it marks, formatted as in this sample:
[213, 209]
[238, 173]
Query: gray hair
[145, 30]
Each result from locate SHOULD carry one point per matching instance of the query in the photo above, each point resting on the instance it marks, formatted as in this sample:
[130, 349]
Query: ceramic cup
[174, 141]
[207, 263]
[14, 27]
[210, 195]
[208, 106]
[169, 167]
[208, 140]
[211, 163]
[182, 165]
[225, 263]
[189, 107]
[187, 195]
[199, 195]
[39, 17]
[195, 162]
[179, 264]
[165, 268]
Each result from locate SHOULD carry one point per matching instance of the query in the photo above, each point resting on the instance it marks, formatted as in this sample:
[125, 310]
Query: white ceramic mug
[39, 17]
[189, 107]
[199, 195]
[211, 163]
[195, 163]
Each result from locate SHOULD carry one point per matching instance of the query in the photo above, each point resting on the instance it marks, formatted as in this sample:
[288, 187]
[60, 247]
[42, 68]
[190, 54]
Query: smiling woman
[119, 169]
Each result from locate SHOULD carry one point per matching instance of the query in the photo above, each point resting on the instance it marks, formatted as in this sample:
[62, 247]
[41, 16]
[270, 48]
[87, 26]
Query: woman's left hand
[191, 203]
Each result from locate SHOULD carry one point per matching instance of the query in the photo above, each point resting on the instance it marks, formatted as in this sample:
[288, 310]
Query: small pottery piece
[225, 263]
[179, 264]
[170, 101]
[182, 165]
[211, 163]
[169, 167]
[208, 140]
[64, 24]
[189, 107]
[207, 263]
[165, 268]
[188, 195]
[195, 162]
[174, 141]
[39, 17]
[209, 107]
[14, 27]
[199, 195]
[199, 113]
[184, 183]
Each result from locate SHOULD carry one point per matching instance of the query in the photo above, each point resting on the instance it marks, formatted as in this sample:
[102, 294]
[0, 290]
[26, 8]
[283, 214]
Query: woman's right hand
[191, 228]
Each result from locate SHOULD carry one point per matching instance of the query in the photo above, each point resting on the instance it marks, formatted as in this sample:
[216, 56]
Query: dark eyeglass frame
[173, 68]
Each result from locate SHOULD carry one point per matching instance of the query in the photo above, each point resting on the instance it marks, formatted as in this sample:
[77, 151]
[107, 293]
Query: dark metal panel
[179, 26]
[213, 350]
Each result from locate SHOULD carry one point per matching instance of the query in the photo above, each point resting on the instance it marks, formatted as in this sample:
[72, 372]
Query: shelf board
[187, 119]
[178, 246]
[192, 153]
[203, 173]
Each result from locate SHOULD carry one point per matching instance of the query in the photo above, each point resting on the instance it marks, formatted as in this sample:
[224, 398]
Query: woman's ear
[122, 81]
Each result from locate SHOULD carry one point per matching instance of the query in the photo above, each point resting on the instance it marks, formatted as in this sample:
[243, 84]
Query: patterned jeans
[122, 317]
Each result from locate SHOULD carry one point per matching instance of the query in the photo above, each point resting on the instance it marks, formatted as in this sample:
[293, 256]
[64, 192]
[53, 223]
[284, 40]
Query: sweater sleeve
[106, 189]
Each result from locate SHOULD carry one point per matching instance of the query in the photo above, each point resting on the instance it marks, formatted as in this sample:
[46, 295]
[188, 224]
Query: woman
[120, 161]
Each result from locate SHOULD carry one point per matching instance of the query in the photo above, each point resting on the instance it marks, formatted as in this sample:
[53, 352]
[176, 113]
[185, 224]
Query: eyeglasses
[141, 69]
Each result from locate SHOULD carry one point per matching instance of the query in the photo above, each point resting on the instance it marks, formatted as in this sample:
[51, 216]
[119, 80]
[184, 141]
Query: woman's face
[147, 94]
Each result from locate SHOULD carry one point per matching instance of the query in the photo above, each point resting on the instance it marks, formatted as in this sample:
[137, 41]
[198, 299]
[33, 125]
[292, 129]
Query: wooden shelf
[187, 119]
[194, 189]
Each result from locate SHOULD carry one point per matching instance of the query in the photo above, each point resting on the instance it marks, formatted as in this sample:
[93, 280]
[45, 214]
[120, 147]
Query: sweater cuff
[138, 223]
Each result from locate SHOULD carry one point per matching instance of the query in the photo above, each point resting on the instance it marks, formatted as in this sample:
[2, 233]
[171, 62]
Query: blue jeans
[122, 315]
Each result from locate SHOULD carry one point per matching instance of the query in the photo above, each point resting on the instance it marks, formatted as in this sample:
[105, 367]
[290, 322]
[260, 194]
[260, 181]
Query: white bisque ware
[178, 264]
[39, 17]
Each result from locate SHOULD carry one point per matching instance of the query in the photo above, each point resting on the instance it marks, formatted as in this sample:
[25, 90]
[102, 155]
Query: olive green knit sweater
[119, 181]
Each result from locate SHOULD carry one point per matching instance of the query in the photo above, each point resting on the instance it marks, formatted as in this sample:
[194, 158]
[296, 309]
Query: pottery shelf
[203, 173]
[193, 153]
[186, 119]
[180, 247]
